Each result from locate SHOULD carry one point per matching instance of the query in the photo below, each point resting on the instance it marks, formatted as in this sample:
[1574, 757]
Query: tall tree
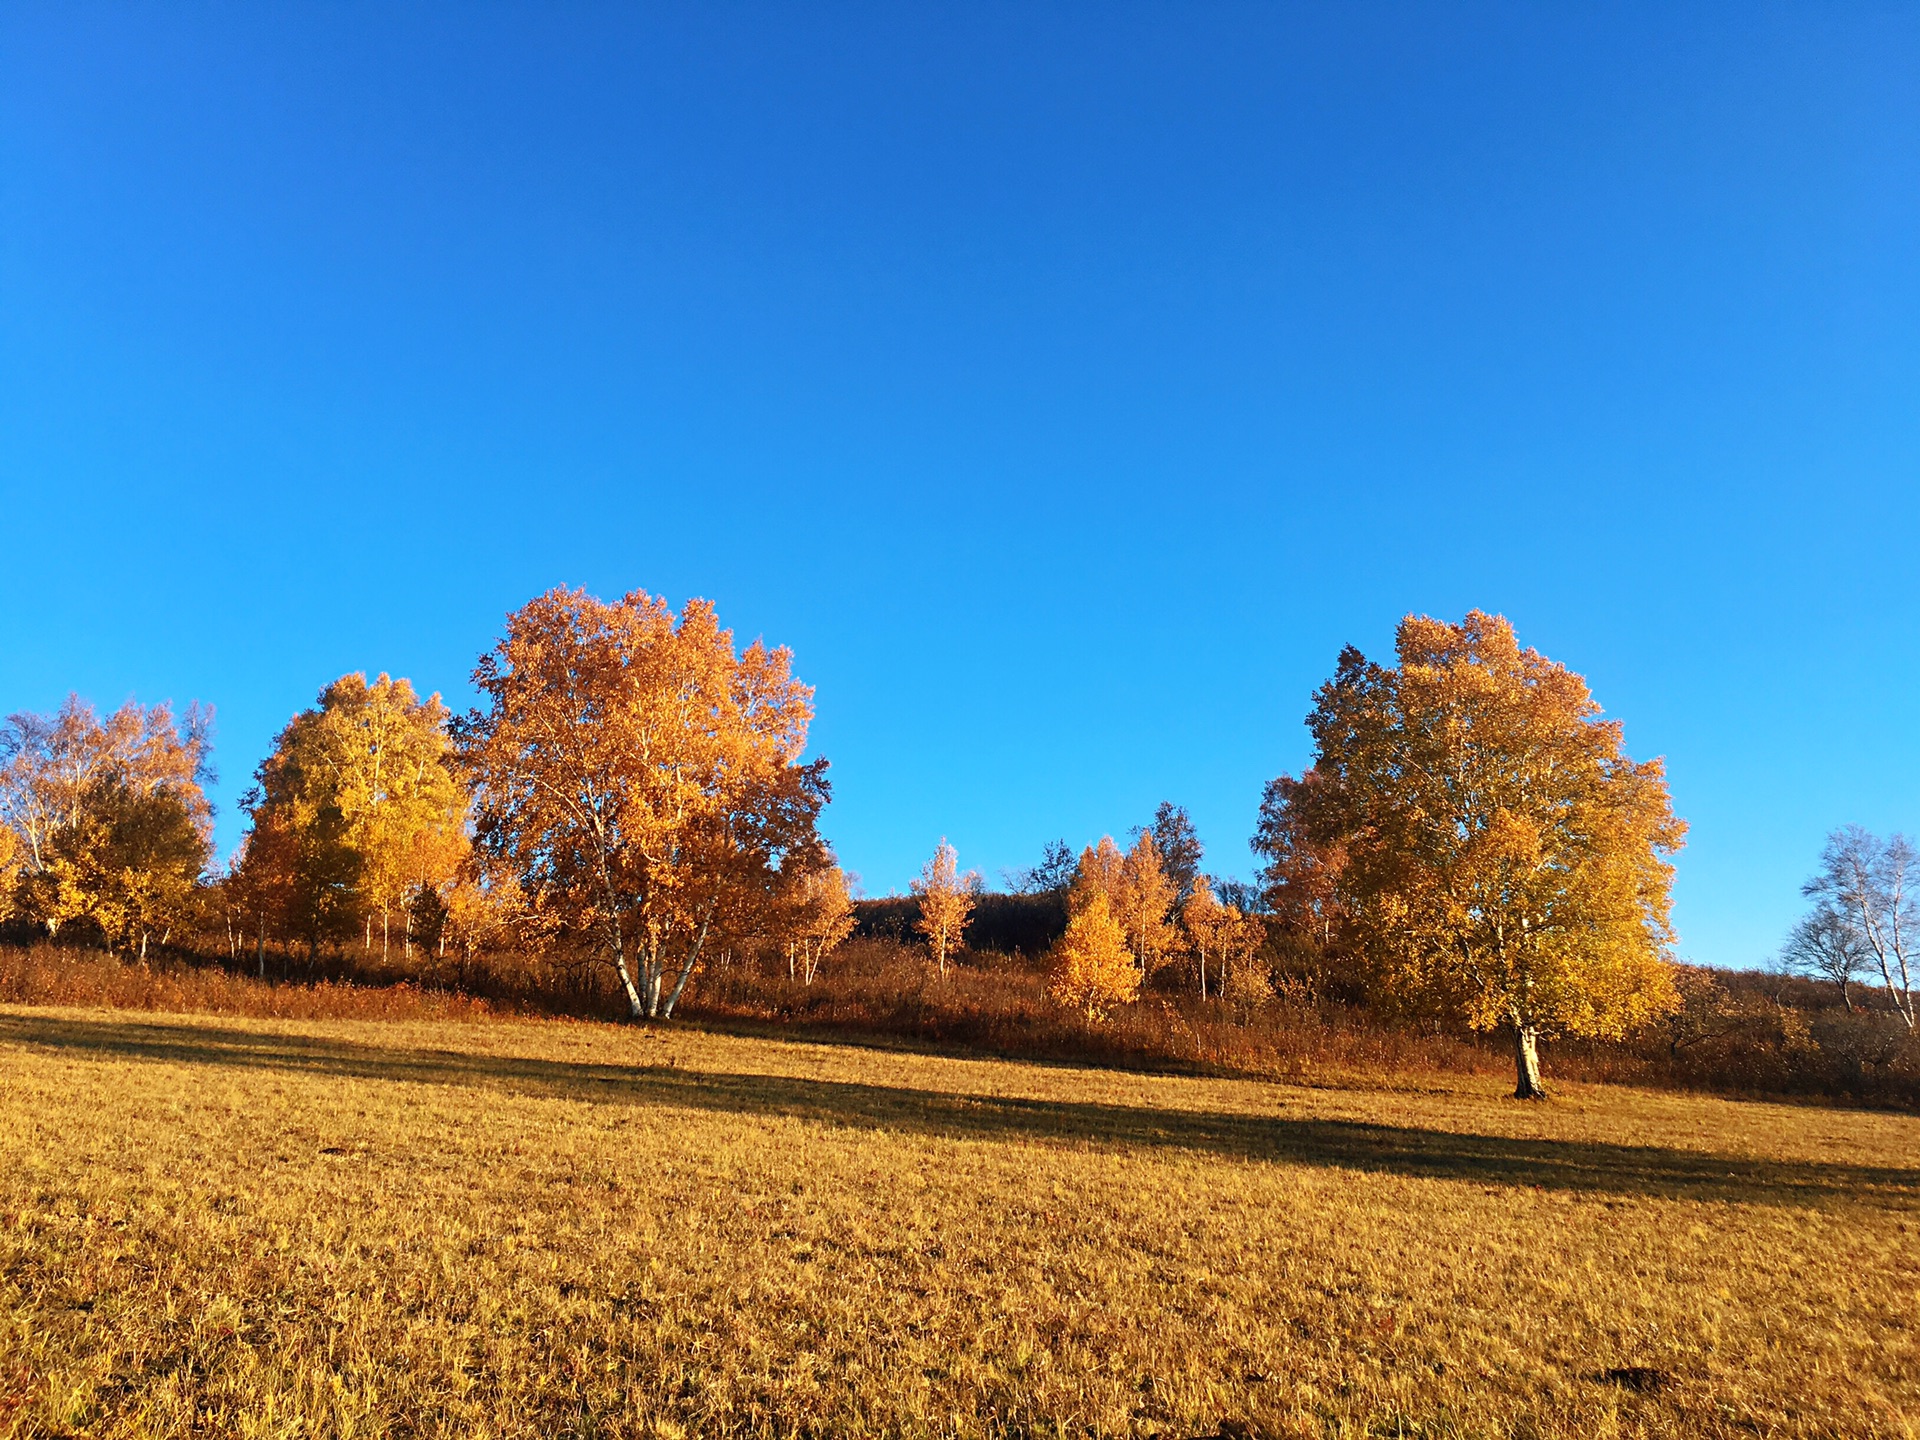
[1098, 872]
[1091, 969]
[1146, 900]
[946, 901]
[1180, 849]
[634, 776]
[82, 799]
[1874, 886]
[1503, 858]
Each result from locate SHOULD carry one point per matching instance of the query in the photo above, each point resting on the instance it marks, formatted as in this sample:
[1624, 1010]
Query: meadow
[480, 1226]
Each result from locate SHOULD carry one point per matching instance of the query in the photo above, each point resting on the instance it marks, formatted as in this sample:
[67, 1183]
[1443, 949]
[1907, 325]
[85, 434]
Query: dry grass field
[300, 1227]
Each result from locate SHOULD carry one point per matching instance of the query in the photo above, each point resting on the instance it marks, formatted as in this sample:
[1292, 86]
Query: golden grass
[329, 1228]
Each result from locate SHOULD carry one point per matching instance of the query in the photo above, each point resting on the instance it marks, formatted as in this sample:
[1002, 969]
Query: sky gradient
[1064, 384]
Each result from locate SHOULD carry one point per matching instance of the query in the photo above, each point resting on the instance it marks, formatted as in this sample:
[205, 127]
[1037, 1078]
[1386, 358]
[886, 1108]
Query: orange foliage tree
[1091, 968]
[819, 917]
[1501, 856]
[107, 819]
[638, 780]
[355, 813]
[946, 902]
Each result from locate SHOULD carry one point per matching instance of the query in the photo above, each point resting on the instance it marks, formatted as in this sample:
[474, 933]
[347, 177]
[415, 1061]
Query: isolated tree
[635, 777]
[1826, 945]
[1091, 969]
[85, 802]
[1179, 847]
[1870, 885]
[820, 918]
[1503, 859]
[946, 901]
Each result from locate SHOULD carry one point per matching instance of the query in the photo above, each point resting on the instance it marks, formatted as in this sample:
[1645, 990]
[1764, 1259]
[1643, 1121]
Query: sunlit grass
[264, 1227]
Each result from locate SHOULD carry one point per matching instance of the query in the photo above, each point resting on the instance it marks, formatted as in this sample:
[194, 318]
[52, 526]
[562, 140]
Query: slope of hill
[245, 1226]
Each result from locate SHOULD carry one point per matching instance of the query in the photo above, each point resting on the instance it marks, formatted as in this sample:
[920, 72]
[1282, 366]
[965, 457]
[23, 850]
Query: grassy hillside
[284, 1227]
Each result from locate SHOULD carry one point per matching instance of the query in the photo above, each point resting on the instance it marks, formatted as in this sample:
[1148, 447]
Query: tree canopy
[1493, 851]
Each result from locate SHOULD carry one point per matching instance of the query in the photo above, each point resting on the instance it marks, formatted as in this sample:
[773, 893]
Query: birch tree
[634, 776]
[946, 901]
[1873, 885]
[1502, 858]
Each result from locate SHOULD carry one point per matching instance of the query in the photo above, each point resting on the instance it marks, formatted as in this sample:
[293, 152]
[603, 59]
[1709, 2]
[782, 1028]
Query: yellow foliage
[1092, 970]
[946, 902]
[1502, 855]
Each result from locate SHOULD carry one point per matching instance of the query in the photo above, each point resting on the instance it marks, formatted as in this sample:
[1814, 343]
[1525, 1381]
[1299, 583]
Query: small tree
[1870, 883]
[1825, 946]
[822, 917]
[946, 900]
[1092, 970]
[1205, 921]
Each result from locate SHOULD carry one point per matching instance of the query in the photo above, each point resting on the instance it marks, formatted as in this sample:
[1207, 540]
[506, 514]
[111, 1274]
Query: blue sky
[1065, 384]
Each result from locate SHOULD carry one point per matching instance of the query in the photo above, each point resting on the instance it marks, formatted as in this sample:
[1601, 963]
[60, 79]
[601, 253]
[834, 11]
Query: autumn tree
[1099, 872]
[1146, 896]
[634, 776]
[1205, 921]
[1091, 969]
[946, 900]
[820, 917]
[1871, 888]
[1299, 879]
[1503, 859]
[108, 819]
[355, 812]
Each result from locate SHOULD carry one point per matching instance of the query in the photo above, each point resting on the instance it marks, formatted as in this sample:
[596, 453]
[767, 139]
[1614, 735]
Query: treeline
[627, 814]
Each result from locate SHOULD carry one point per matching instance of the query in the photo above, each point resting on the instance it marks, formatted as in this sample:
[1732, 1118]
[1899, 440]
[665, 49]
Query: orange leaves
[637, 779]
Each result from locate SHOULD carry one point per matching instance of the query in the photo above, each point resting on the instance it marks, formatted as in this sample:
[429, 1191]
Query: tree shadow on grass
[1574, 1165]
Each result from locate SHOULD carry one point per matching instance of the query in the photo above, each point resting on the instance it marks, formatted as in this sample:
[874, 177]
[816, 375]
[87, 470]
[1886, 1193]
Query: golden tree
[356, 811]
[1502, 857]
[1099, 872]
[946, 901]
[1091, 968]
[819, 918]
[107, 819]
[1205, 921]
[1146, 896]
[637, 779]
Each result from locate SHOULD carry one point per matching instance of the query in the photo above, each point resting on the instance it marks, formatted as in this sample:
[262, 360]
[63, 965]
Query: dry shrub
[48, 975]
[999, 1004]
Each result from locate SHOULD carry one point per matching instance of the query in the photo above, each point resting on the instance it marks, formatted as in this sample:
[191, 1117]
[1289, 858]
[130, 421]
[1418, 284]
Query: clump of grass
[331, 1228]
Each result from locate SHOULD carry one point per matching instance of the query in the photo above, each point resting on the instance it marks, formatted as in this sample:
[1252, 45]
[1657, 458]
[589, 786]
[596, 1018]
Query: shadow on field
[1399, 1150]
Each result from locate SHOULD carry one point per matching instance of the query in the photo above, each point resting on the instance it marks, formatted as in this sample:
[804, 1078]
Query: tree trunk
[1526, 1059]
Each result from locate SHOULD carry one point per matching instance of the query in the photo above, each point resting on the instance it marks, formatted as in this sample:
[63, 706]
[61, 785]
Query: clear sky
[1065, 384]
